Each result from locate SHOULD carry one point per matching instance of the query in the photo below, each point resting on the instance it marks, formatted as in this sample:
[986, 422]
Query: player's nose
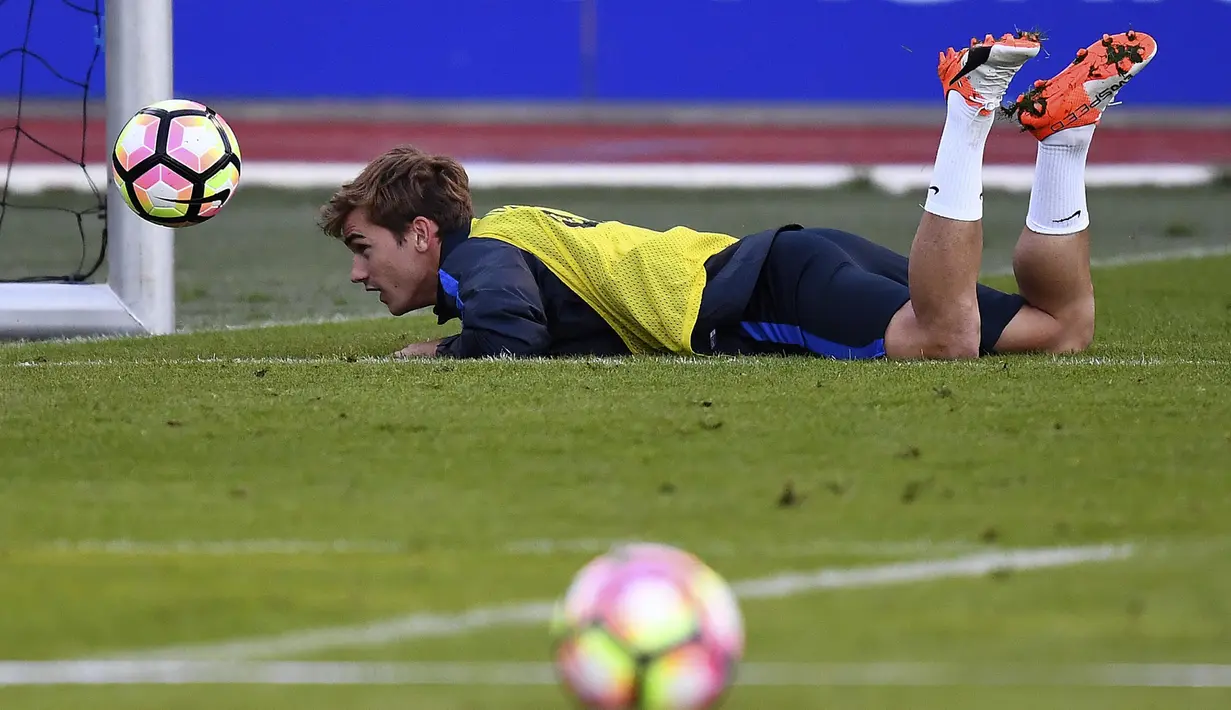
[358, 270]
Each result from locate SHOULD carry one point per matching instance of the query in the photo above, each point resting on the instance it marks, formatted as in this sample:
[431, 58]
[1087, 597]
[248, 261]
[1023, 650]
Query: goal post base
[139, 296]
[33, 311]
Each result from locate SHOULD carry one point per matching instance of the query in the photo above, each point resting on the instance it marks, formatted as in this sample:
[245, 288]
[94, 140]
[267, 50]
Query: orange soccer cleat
[1078, 95]
[981, 72]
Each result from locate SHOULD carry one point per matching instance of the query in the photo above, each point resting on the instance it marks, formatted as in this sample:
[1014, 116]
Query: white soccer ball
[176, 162]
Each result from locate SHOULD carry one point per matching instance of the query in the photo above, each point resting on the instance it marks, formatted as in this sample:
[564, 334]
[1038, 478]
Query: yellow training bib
[646, 284]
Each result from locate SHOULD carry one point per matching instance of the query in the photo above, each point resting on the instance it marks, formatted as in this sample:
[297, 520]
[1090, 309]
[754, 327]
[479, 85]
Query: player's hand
[427, 349]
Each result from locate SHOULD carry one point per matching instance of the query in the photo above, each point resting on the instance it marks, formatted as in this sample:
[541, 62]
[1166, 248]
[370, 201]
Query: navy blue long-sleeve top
[511, 304]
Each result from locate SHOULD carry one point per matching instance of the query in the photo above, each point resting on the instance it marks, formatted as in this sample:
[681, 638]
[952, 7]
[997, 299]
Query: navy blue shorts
[831, 293]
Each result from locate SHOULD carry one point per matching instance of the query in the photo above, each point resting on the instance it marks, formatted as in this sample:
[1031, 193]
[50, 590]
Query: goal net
[74, 261]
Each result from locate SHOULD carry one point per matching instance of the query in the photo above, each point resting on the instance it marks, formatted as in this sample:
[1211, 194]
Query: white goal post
[139, 296]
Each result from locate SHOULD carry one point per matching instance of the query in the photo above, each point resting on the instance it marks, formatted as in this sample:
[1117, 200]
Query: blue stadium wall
[816, 51]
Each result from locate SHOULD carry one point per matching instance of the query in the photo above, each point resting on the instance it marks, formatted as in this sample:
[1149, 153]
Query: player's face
[404, 272]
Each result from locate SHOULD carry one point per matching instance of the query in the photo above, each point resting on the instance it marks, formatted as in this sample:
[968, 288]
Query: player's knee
[958, 343]
[952, 338]
[1076, 332]
[956, 335]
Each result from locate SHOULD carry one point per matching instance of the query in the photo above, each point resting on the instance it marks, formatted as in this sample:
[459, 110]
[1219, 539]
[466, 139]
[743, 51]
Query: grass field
[160, 496]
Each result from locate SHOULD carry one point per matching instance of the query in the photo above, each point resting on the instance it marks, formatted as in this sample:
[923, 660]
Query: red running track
[358, 141]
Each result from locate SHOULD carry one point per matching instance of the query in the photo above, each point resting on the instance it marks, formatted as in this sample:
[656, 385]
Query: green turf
[264, 259]
[307, 433]
[378, 698]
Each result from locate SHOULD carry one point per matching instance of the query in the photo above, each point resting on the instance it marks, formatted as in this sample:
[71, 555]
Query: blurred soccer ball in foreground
[176, 163]
[647, 626]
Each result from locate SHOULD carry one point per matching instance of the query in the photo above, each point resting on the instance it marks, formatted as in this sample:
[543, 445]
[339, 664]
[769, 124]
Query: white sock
[956, 189]
[1058, 196]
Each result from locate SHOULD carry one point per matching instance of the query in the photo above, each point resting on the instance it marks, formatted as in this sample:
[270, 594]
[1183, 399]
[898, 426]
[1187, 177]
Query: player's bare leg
[942, 318]
[1052, 257]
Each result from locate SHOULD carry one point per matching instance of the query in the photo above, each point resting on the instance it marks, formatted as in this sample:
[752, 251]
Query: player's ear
[423, 233]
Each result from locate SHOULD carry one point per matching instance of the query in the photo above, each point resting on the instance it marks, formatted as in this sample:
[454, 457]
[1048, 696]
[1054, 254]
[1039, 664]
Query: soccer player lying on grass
[531, 281]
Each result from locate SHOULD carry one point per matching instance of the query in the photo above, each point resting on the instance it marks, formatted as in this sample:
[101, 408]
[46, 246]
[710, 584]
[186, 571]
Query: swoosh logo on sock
[935, 190]
[1075, 214]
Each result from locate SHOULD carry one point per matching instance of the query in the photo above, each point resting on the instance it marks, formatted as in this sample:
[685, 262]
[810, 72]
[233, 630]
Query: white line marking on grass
[612, 362]
[880, 674]
[903, 178]
[788, 584]
[1082, 361]
[181, 362]
[709, 360]
[1148, 257]
[978, 565]
[910, 674]
[377, 633]
[220, 548]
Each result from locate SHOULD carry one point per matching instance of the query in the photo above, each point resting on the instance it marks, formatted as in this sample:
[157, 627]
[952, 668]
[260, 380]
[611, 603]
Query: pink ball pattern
[648, 626]
[176, 163]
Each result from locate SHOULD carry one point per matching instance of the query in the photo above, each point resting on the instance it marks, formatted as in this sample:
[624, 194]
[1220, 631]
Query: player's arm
[501, 306]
